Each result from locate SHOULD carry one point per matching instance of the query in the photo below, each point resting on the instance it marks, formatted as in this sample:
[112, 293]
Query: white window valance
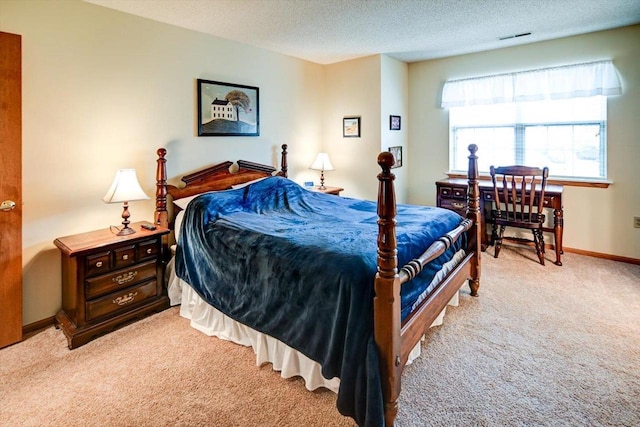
[571, 81]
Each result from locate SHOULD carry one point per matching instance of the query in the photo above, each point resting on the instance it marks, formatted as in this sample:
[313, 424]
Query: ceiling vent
[514, 36]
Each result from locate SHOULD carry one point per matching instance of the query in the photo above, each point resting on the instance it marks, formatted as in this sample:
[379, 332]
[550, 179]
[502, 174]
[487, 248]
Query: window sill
[595, 183]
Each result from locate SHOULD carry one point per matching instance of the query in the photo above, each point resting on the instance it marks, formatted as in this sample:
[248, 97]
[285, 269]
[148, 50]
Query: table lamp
[125, 188]
[322, 163]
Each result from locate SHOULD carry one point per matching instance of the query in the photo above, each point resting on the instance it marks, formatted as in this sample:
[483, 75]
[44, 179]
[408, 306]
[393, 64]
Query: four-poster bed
[390, 319]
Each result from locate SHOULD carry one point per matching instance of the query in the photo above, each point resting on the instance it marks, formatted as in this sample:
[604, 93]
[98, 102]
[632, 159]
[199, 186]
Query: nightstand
[327, 190]
[108, 280]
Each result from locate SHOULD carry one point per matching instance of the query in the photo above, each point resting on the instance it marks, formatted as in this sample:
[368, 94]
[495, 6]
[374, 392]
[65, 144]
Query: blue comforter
[299, 266]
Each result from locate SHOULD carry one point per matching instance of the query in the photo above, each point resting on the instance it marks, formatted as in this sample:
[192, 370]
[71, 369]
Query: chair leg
[538, 239]
[498, 242]
[494, 234]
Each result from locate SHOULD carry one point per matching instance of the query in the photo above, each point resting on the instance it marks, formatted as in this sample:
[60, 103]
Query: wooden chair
[518, 202]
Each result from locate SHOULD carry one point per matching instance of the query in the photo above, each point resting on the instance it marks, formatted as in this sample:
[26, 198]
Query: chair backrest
[514, 191]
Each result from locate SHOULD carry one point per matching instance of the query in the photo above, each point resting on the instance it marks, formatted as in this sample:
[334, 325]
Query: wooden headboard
[216, 177]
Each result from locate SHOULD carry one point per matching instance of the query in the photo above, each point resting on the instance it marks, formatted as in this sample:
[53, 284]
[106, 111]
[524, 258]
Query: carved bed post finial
[161, 217]
[387, 287]
[283, 162]
[473, 213]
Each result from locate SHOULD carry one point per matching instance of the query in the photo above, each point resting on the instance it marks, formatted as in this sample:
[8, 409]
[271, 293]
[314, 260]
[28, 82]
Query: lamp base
[125, 231]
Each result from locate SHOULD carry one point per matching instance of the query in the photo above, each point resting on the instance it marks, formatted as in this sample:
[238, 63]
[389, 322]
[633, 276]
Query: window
[568, 136]
[553, 117]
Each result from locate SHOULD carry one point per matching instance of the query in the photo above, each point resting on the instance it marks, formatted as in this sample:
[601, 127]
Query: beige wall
[395, 101]
[353, 89]
[597, 220]
[103, 90]
[373, 88]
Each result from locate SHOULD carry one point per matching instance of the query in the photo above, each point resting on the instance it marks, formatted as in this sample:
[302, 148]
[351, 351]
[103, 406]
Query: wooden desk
[452, 194]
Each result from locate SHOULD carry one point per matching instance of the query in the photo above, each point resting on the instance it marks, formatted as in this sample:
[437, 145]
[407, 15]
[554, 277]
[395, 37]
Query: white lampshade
[322, 163]
[125, 188]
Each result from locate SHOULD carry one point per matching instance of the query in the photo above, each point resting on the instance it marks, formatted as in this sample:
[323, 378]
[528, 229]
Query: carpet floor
[542, 345]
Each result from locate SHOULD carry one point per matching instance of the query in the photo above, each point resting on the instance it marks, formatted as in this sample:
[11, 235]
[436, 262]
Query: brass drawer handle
[121, 279]
[458, 205]
[99, 264]
[125, 299]
[125, 257]
[149, 251]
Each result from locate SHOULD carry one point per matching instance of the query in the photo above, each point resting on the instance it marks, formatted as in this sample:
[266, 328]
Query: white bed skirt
[286, 360]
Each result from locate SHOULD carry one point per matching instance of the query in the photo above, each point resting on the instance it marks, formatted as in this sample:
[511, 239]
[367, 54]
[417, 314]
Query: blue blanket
[299, 266]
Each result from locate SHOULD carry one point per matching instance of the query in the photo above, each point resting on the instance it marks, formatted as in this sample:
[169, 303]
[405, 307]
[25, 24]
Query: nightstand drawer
[148, 249]
[118, 300]
[120, 279]
[98, 263]
[124, 256]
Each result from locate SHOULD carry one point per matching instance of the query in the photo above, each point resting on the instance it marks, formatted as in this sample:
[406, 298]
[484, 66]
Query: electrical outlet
[636, 221]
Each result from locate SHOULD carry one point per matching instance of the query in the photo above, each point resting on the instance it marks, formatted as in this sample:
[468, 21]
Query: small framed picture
[397, 156]
[351, 127]
[394, 122]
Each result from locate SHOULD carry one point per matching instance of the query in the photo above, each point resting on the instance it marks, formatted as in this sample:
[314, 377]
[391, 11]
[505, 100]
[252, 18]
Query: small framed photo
[351, 127]
[397, 156]
[394, 122]
[228, 109]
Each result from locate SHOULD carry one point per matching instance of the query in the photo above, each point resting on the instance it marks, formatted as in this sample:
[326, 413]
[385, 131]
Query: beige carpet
[541, 346]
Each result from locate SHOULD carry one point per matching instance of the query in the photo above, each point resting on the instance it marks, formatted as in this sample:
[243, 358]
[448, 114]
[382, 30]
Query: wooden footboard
[394, 339]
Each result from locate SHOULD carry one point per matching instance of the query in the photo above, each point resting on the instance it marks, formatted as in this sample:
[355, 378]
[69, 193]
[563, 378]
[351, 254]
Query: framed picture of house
[397, 155]
[227, 109]
[351, 127]
[394, 122]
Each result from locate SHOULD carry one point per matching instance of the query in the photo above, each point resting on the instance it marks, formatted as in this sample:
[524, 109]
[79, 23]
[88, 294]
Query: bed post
[386, 304]
[473, 213]
[283, 162]
[161, 216]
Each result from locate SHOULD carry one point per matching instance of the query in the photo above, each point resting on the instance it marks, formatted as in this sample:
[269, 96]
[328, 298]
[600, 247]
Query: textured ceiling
[328, 31]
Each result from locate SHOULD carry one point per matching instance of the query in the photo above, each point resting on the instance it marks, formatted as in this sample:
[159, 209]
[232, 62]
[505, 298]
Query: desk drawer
[454, 205]
[453, 192]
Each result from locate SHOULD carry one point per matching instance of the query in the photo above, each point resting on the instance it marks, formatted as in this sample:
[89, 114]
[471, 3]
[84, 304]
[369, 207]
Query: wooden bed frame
[394, 339]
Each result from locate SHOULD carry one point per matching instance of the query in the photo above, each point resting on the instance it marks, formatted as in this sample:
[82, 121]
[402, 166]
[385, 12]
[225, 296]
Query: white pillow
[178, 224]
[182, 203]
[244, 184]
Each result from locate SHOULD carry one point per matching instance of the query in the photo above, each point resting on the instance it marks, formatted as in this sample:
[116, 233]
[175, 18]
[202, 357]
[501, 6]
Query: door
[10, 189]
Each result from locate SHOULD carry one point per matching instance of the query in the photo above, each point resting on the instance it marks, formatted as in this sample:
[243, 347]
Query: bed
[337, 290]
